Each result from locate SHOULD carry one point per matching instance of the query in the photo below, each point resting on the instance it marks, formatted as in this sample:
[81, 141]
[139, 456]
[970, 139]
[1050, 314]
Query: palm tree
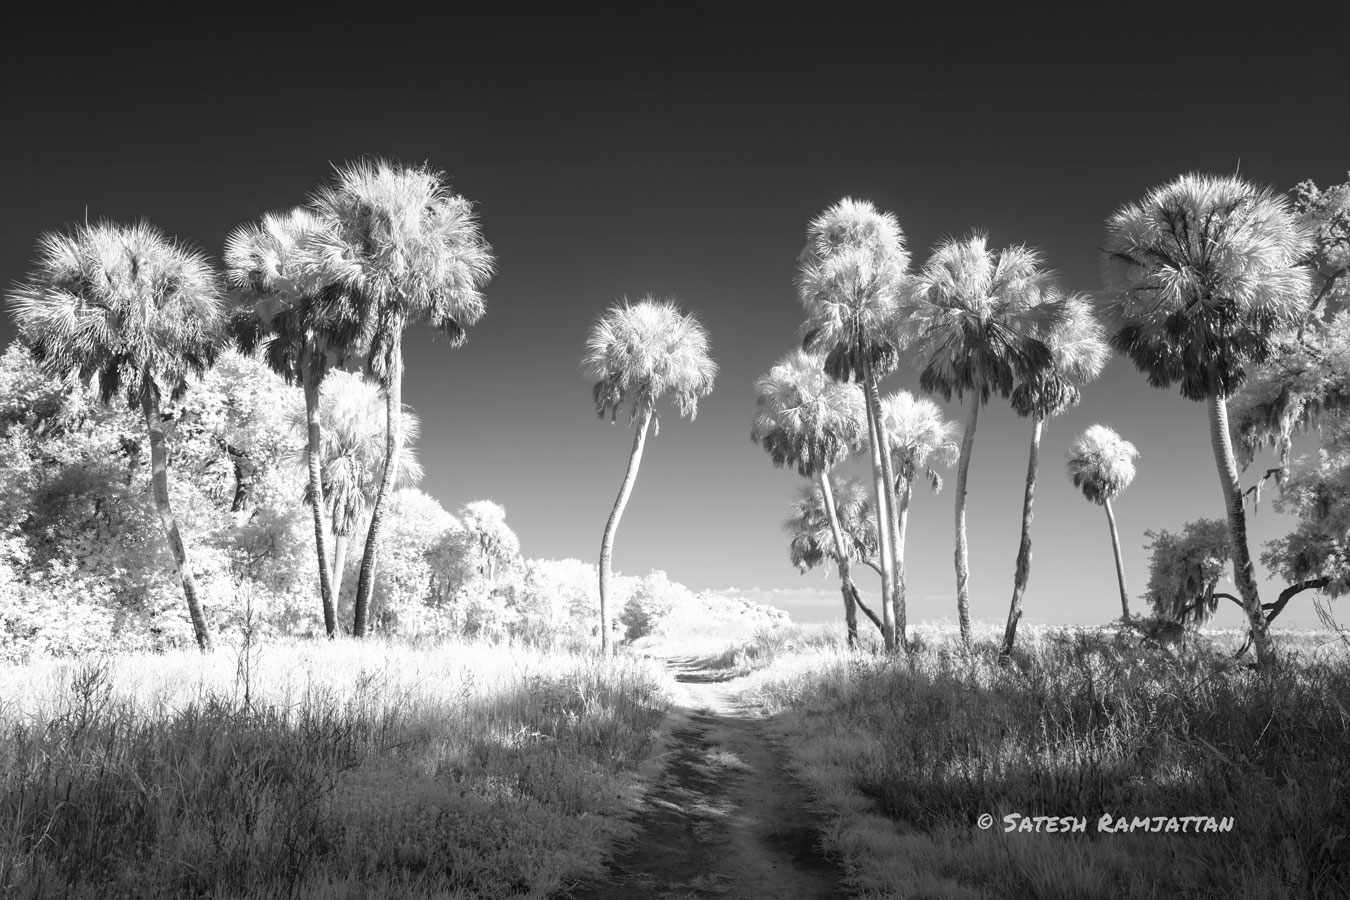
[1078, 353]
[1204, 274]
[1101, 465]
[840, 524]
[980, 319]
[919, 438]
[407, 250]
[849, 279]
[636, 354]
[811, 422]
[127, 307]
[271, 272]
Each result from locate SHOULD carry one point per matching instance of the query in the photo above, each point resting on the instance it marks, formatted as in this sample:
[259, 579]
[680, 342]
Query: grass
[306, 770]
[905, 754]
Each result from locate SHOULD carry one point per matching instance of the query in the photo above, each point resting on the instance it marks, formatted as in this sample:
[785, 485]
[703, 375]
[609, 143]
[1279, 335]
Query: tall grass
[906, 754]
[320, 770]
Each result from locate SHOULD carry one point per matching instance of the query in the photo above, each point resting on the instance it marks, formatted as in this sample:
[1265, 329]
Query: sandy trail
[725, 820]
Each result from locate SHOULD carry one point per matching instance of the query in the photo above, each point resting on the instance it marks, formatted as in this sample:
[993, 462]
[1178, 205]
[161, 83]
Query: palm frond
[805, 419]
[1100, 463]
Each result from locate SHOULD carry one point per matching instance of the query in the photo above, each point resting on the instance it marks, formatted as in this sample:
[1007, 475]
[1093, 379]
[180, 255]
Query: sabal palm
[980, 321]
[1101, 464]
[636, 354]
[919, 438]
[125, 306]
[1203, 276]
[1078, 353]
[271, 270]
[404, 249]
[812, 423]
[840, 525]
[849, 279]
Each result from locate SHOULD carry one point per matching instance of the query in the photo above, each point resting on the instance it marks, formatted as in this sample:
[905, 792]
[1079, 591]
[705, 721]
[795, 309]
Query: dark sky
[681, 151]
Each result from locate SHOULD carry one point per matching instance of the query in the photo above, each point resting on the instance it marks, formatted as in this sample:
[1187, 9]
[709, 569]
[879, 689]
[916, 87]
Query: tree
[127, 307]
[1078, 353]
[841, 526]
[919, 437]
[981, 320]
[406, 250]
[1184, 570]
[812, 423]
[1204, 275]
[850, 274]
[636, 354]
[1101, 465]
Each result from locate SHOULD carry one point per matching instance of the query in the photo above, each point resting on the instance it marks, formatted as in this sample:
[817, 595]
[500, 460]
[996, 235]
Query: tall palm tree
[1101, 465]
[1078, 353]
[271, 271]
[919, 438]
[850, 274]
[980, 320]
[127, 307]
[636, 354]
[812, 423]
[407, 250]
[1204, 274]
[840, 524]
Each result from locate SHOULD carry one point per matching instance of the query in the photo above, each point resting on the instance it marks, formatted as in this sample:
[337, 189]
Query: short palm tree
[919, 438]
[1078, 353]
[636, 354]
[1204, 275]
[840, 525]
[407, 250]
[1101, 465]
[812, 423]
[125, 306]
[980, 322]
[849, 279]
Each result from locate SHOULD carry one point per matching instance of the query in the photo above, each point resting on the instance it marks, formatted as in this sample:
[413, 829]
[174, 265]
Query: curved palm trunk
[159, 480]
[841, 555]
[393, 449]
[607, 542]
[1023, 571]
[1120, 563]
[884, 485]
[1244, 573]
[962, 551]
[311, 375]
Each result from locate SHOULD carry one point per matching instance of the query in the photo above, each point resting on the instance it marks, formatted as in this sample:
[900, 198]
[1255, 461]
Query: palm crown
[918, 434]
[806, 419]
[1078, 353]
[811, 540]
[1101, 463]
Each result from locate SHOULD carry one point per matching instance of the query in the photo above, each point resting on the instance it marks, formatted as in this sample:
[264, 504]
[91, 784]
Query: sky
[680, 151]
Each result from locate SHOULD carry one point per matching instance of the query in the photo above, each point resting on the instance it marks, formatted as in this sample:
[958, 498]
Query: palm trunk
[1120, 563]
[901, 578]
[858, 602]
[607, 542]
[339, 566]
[1244, 573]
[311, 375]
[159, 480]
[1023, 571]
[393, 449]
[884, 485]
[841, 555]
[962, 552]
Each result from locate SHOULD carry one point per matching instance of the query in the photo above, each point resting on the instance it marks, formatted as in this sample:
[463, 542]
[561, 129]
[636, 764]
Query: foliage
[811, 542]
[650, 601]
[918, 434]
[1184, 570]
[1100, 463]
[805, 419]
[1318, 492]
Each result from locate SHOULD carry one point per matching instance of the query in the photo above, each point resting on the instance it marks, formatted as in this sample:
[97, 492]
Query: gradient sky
[681, 153]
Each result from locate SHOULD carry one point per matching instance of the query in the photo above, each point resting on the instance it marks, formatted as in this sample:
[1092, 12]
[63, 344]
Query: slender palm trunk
[841, 555]
[1244, 573]
[874, 432]
[159, 480]
[1120, 563]
[393, 449]
[339, 566]
[905, 492]
[1023, 571]
[607, 542]
[311, 375]
[962, 551]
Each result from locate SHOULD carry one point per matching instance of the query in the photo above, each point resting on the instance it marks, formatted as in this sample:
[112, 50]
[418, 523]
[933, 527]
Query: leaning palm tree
[1078, 353]
[839, 524]
[636, 354]
[1101, 465]
[980, 320]
[1204, 275]
[127, 307]
[407, 250]
[812, 423]
[849, 279]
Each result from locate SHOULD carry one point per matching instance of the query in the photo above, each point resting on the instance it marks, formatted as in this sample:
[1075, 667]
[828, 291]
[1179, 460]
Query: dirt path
[725, 820]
